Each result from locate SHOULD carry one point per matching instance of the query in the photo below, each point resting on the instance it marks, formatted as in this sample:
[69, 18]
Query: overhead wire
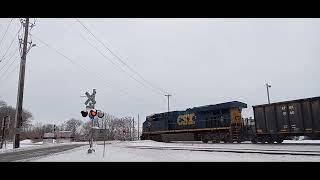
[119, 59]
[83, 68]
[10, 65]
[19, 48]
[107, 58]
[5, 77]
[6, 31]
[10, 44]
[9, 59]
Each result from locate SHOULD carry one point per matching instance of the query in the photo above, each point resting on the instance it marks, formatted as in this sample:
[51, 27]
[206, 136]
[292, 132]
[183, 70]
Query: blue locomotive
[273, 122]
[219, 122]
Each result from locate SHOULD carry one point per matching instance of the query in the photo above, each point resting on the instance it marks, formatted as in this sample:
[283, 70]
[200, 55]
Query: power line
[5, 31]
[9, 59]
[117, 57]
[5, 77]
[113, 54]
[106, 57]
[69, 59]
[83, 68]
[10, 65]
[10, 44]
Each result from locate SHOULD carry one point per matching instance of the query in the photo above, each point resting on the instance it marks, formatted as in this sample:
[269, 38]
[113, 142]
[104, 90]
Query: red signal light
[93, 113]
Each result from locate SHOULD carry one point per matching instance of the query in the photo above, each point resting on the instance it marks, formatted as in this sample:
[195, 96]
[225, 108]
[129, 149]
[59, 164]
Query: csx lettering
[186, 119]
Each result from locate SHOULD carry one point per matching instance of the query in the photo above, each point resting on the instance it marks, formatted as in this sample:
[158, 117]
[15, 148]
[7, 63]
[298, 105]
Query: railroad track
[282, 144]
[234, 150]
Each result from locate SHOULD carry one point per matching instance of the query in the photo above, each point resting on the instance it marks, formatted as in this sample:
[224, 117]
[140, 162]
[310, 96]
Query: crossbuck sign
[91, 99]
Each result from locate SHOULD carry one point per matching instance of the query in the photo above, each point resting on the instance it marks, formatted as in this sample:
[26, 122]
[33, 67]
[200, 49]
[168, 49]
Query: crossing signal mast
[92, 113]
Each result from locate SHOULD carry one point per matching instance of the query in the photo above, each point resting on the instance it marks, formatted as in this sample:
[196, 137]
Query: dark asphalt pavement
[32, 153]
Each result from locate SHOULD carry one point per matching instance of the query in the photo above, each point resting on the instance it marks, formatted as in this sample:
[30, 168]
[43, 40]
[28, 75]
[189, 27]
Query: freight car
[224, 122]
[278, 121]
[219, 122]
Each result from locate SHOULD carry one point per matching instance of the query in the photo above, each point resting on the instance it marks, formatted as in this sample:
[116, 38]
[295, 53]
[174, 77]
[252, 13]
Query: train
[224, 122]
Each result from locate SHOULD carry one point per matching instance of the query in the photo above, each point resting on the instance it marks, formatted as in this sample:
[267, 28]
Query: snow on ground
[23, 144]
[120, 151]
[302, 141]
[248, 145]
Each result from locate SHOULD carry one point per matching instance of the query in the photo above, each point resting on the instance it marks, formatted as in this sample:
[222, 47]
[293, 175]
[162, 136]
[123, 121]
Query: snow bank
[26, 141]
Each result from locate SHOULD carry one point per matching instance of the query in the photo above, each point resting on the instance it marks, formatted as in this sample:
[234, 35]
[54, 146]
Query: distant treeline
[107, 128]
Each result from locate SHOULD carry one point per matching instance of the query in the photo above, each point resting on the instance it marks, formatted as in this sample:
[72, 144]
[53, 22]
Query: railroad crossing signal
[92, 113]
[100, 114]
[84, 113]
[91, 99]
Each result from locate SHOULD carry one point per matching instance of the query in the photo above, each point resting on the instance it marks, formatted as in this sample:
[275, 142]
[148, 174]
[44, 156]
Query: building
[101, 134]
[64, 136]
[49, 138]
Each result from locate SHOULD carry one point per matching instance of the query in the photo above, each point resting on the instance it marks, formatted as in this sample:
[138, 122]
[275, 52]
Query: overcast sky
[198, 61]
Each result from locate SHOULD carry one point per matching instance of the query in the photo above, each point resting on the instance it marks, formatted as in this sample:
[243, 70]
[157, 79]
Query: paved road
[31, 153]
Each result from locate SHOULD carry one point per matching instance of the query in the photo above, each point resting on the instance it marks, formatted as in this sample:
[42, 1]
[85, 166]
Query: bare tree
[121, 128]
[2, 103]
[84, 131]
[6, 110]
[73, 125]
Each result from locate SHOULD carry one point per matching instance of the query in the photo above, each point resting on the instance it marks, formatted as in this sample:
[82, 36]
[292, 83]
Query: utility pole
[268, 86]
[104, 136]
[133, 136]
[168, 95]
[138, 128]
[18, 115]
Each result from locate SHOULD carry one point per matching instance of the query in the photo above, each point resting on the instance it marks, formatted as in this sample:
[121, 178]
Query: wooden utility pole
[18, 115]
[168, 95]
[268, 86]
[138, 128]
[133, 136]
[104, 137]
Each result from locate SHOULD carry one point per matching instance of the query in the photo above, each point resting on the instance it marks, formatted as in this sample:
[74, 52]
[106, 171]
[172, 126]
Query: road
[32, 153]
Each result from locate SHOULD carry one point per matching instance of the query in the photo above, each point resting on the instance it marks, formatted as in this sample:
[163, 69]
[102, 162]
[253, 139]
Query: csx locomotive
[272, 123]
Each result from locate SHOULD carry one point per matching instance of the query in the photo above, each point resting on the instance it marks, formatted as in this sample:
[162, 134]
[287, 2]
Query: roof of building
[64, 133]
[46, 135]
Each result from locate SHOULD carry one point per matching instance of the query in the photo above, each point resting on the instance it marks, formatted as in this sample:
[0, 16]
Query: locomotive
[224, 122]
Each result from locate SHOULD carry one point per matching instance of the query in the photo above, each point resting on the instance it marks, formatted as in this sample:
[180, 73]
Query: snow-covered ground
[23, 144]
[126, 151]
[302, 141]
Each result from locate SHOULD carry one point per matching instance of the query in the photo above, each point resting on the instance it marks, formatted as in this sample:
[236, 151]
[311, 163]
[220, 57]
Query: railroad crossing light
[100, 114]
[84, 113]
[93, 113]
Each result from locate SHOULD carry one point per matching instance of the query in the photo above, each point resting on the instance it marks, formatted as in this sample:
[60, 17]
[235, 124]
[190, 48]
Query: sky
[198, 61]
